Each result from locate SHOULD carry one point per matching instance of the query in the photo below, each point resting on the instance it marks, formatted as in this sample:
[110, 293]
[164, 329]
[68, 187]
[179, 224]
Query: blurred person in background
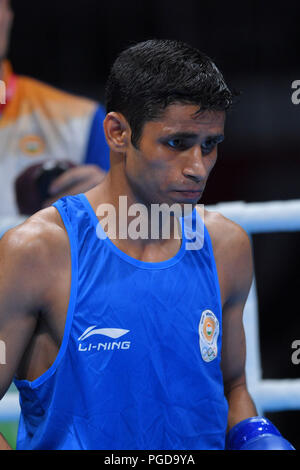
[51, 142]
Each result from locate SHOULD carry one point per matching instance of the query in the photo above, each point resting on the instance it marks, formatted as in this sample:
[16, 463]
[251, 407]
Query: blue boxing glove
[257, 433]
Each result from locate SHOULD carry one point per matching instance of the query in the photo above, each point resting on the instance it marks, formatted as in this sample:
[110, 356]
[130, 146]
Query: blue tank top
[139, 363]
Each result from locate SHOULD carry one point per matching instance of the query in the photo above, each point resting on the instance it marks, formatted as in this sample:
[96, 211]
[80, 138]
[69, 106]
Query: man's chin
[177, 209]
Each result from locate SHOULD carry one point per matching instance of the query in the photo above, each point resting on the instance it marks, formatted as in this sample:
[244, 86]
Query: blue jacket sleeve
[97, 149]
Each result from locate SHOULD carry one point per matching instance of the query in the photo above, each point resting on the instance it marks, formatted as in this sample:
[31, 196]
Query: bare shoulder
[225, 233]
[32, 250]
[38, 235]
[233, 253]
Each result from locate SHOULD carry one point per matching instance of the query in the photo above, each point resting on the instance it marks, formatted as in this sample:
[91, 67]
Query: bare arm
[239, 277]
[23, 287]
[242, 410]
[240, 402]
[18, 312]
[16, 321]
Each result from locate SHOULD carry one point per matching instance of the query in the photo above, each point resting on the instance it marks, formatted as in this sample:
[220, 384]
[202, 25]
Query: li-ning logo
[113, 333]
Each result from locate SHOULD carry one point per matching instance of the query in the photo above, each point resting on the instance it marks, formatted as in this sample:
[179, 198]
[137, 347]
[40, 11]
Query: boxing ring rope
[262, 217]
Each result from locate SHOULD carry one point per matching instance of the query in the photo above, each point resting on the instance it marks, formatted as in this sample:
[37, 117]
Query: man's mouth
[189, 194]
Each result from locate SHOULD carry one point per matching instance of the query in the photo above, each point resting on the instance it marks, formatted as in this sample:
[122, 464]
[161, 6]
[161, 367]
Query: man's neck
[122, 226]
[128, 209]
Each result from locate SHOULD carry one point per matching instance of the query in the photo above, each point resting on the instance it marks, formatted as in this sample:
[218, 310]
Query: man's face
[6, 17]
[175, 155]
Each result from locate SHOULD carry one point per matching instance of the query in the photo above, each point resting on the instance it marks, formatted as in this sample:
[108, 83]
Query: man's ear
[117, 132]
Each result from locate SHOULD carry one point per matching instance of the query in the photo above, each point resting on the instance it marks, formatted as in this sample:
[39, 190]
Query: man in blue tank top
[117, 336]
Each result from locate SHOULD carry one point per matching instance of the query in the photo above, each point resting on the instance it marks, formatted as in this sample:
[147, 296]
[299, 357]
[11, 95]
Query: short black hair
[148, 76]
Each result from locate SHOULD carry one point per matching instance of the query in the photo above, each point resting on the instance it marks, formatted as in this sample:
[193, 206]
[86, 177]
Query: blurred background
[71, 45]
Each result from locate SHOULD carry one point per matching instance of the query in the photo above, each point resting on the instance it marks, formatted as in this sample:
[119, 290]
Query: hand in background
[74, 181]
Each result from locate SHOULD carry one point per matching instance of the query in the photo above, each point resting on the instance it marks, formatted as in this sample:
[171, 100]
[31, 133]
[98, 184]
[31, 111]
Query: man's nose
[194, 167]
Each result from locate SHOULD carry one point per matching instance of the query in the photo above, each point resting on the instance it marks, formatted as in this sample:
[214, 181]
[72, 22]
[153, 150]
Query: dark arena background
[71, 45]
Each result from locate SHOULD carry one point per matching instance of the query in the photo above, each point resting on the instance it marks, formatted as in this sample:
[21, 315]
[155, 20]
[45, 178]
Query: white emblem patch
[208, 335]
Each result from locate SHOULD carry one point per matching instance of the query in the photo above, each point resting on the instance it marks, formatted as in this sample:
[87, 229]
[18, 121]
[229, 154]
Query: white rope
[262, 217]
[276, 395]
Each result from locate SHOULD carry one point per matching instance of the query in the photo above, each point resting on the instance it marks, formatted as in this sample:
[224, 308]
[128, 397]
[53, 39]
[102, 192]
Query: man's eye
[207, 147]
[177, 144]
